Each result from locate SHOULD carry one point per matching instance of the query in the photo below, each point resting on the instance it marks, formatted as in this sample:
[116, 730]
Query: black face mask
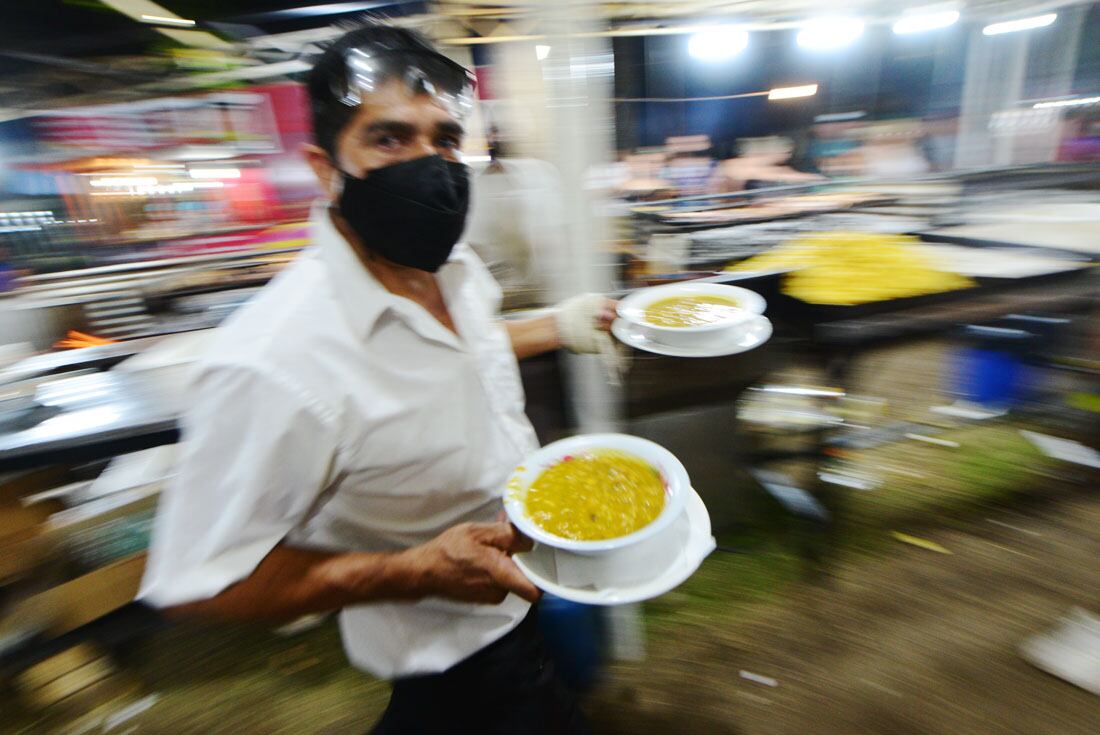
[411, 213]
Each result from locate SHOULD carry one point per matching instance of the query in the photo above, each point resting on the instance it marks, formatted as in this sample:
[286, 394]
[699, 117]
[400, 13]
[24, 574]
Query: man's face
[392, 125]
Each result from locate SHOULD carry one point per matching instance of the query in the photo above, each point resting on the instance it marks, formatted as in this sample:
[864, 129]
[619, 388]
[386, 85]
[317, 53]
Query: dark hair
[329, 74]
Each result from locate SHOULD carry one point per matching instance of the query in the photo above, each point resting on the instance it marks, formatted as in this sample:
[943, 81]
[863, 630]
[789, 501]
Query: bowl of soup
[596, 492]
[689, 314]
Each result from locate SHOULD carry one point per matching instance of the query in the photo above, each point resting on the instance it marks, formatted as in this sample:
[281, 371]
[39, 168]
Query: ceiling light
[119, 181]
[920, 22]
[542, 51]
[167, 21]
[790, 93]
[1067, 103]
[1023, 24]
[718, 43]
[215, 173]
[830, 33]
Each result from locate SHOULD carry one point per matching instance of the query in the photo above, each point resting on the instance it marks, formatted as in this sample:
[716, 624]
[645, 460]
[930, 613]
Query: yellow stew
[690, 311]
[596, 496]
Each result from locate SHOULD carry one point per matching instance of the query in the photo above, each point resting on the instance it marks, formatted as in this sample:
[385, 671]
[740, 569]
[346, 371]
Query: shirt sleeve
[257, 454]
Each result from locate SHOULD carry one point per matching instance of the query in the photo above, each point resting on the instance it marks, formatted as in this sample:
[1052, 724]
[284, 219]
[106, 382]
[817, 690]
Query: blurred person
[689, 174]
[608, 178]
[1080, 137]
[830, 143]
[643, 177]
[937, 142]
[891, 151]
[351, 427]
[515, 222]
[803, 156]
[761, 162]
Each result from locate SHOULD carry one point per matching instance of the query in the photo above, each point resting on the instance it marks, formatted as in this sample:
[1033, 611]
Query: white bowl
[630, 565]
[633, 307]
[635, 573]
[677, 487]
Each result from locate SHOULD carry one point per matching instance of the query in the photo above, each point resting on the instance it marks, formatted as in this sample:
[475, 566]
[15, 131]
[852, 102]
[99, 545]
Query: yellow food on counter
[847, 268]
[596, 496]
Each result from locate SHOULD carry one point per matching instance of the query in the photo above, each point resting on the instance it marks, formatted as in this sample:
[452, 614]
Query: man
[515, 223]
[353, 425]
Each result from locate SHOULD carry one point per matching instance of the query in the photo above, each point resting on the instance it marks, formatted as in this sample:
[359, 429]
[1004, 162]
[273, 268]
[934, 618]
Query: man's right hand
[471, 562]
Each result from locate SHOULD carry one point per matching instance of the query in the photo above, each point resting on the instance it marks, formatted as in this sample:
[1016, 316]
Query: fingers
[504, 536]
[520, 542]
[607, 314]
[506, 574]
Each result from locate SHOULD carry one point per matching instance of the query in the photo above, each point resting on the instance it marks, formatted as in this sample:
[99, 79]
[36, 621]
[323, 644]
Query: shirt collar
[363, 299]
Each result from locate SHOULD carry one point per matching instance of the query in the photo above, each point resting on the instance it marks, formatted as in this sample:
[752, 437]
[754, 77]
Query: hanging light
[830, 33]
[790, 93]
[718, 43]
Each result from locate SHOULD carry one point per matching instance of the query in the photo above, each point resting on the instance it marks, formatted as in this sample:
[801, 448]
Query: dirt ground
[904, 641]
[913, 642]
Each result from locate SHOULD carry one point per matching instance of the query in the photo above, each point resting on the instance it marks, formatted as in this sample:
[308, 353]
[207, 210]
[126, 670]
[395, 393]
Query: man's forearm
[533, 336]
[292, 582]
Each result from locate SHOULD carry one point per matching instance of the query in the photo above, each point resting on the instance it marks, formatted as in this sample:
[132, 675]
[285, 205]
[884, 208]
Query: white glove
[579, 330]
[578, 322]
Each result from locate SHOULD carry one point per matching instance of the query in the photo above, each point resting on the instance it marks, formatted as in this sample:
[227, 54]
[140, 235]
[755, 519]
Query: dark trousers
[507, 687]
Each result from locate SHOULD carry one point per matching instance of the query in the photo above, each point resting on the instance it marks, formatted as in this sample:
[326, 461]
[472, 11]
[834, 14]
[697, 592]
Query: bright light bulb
[186, 22]
[541, 52]
[718, 43]
[1023, 24]
[790, 93]
[830, 33]
[920, 22]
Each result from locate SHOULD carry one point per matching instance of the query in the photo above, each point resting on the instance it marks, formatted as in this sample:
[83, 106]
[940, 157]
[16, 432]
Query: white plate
[730, 341]
[693, 540]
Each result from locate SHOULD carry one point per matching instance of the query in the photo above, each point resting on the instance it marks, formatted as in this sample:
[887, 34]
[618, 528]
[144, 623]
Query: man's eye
[388, 142]
[447, 143]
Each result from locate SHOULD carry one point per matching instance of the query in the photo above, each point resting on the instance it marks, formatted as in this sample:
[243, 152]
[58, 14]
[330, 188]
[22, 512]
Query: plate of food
[689, 315]
[606, 512]
[596, 492]
[672, 557]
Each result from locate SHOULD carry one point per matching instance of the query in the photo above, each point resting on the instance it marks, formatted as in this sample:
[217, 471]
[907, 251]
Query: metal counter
[90, 417]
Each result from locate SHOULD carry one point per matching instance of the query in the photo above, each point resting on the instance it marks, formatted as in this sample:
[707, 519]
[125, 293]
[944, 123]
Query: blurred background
[901, 479]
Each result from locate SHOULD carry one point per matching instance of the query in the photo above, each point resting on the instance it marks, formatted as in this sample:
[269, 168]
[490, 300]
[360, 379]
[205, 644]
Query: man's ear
[327, 174]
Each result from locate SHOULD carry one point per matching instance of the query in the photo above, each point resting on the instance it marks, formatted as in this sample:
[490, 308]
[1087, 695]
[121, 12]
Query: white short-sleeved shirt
[336, 415]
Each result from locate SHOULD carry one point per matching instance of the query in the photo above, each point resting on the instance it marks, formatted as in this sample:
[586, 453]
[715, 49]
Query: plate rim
[637, 593]
[620, 328]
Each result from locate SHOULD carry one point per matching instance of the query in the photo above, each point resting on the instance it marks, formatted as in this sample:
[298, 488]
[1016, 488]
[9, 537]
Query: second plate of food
[690, 315]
